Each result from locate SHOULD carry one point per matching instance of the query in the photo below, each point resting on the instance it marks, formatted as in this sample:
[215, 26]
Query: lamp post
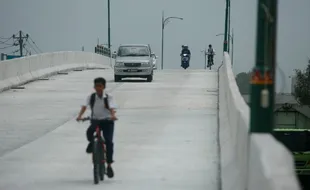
[205, 57]
[228, 27]
[225, 47]
[109, 32]
[232, 44]
[263, 74]
[109, 26]
[164, 21]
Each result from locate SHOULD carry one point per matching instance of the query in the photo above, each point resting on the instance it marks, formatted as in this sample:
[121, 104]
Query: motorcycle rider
[211, 53]
[185, 50]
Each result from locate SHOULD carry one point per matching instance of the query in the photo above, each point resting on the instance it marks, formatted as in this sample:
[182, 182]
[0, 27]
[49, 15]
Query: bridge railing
[19, 71]
[248, 161]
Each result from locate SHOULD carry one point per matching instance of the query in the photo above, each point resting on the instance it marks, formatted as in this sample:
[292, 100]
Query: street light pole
[109, 26]
[109, 33]
[232, 45]
[162, 41]
[163, 23]
[205, 57]
[263, 74]
[228, 28]
[225, 47]
[232, 37]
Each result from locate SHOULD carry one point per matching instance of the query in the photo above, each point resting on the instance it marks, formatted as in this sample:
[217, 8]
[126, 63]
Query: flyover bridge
[188, 129]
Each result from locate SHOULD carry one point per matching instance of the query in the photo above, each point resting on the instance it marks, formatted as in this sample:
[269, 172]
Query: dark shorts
[107, 128]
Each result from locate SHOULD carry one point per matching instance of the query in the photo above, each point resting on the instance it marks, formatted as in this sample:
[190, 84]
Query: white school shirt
[211, 51]
[99, 110]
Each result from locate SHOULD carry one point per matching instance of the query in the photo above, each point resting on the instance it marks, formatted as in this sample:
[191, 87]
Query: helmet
[185, 46]
[210, 45]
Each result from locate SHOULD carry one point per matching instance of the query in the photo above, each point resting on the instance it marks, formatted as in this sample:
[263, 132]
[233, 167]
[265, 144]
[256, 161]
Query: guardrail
[248, 161]
[19, 71]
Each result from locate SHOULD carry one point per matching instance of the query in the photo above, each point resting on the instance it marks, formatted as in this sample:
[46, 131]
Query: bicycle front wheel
[96, 161]
[102, 161]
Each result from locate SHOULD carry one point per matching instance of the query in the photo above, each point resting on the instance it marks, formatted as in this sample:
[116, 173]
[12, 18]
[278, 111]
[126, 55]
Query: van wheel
[117, 78]
[149, 78]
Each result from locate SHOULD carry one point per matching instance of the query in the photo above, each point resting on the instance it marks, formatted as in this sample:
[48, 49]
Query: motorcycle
[185, 61]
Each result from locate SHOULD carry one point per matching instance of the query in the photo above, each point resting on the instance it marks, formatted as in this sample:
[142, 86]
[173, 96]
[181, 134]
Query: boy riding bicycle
[103, 108]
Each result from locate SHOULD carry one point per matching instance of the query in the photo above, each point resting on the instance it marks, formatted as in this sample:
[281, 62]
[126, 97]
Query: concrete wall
[248, 162]
[22, 70]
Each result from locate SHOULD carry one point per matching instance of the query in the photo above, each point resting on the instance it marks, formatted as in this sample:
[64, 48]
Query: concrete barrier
[19, 71]
[248, 162]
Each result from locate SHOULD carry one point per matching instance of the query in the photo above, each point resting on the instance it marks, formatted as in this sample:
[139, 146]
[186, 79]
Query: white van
[135, 61]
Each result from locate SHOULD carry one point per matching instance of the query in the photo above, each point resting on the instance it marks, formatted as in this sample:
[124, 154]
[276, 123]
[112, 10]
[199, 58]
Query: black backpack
[92, 102]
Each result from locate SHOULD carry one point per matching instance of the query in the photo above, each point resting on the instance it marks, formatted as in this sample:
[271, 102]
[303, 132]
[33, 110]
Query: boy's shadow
[85, 182]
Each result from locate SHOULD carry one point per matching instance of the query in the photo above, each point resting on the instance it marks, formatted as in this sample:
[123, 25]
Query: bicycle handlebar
[85, 119]
[88, 119]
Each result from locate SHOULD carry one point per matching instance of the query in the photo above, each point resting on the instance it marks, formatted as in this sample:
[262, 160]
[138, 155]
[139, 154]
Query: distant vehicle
[185, 60]
[135, 61]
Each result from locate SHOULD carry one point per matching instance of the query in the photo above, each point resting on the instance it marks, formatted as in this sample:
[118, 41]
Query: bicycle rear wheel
[96, 161]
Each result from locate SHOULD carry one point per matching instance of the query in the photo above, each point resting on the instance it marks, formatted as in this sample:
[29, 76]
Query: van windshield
[133, 51]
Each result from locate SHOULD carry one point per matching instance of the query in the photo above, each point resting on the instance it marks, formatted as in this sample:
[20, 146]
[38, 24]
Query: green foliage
[302, 86]
[243, 82]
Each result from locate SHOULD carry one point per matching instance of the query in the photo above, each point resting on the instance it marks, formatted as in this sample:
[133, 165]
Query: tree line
[301, 87]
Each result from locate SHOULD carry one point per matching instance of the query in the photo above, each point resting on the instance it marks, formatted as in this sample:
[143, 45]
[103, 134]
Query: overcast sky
[60, 25]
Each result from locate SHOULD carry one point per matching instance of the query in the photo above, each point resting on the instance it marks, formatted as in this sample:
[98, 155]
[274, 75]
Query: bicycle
[210, 61]
[99, 153]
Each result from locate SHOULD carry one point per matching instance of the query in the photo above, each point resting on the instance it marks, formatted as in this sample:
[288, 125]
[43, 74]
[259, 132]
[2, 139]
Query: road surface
[166, 136]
